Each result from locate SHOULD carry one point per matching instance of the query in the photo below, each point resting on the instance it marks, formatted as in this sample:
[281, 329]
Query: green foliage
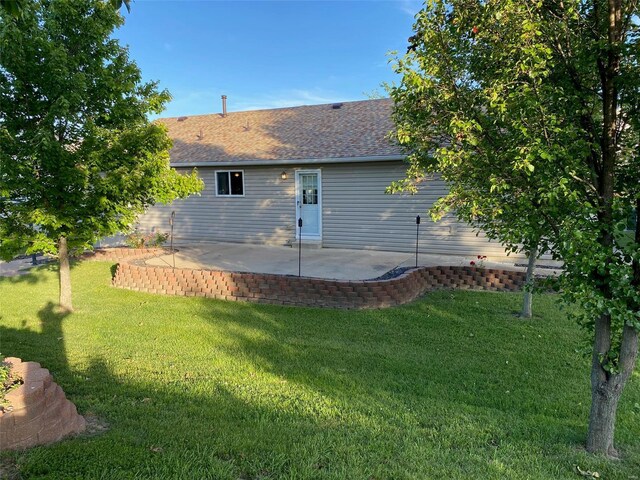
[117, 4]
[4, 379]
[448, 387]
[504, 100]
[78, 157]
[14, 7]
[137, 239]
[7, 382]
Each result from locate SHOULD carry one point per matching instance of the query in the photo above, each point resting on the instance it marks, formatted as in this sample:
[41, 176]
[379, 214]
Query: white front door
[309, 203]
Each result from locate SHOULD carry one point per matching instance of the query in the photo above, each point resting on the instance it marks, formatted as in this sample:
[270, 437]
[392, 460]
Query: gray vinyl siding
[356, 212]
[264, 215]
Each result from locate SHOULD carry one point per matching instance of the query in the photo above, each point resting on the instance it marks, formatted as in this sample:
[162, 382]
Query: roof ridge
[358, 128]
[219, 114]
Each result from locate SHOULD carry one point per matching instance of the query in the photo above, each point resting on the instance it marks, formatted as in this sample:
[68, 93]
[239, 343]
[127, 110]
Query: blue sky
[265, 54]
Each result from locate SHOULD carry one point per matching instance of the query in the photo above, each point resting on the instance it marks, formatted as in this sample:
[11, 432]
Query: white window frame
[229, 194]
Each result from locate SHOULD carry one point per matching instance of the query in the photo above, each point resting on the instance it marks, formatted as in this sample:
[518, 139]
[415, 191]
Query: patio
[327, 263]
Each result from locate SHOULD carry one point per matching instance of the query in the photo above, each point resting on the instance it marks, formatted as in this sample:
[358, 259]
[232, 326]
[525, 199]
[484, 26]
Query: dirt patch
[95, 425]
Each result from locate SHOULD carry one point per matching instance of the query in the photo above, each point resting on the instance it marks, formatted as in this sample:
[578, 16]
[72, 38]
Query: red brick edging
[116, 254]
[304, 291]
[40, 411]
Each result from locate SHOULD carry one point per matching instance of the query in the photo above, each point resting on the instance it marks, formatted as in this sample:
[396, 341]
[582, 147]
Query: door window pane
[309, 189]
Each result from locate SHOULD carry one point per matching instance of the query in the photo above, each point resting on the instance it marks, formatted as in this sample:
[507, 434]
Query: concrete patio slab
[328, 263]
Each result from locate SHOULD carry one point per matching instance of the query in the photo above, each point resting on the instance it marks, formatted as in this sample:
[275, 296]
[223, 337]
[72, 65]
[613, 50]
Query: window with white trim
[230, 183]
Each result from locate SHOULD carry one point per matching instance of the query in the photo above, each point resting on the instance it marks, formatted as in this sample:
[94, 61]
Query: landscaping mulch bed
[393, 273]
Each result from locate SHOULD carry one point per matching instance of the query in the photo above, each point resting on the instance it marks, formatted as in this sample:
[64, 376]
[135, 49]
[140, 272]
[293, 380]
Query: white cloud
[410, 7]
[194, 102]
[207, 101]
[287, 98]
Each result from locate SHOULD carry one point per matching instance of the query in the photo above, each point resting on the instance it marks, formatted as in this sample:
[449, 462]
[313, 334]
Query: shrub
[7, 382]
[479, 263]
[137, 239]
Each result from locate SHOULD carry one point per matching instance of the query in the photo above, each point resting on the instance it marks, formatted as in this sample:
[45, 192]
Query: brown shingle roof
[356, 129]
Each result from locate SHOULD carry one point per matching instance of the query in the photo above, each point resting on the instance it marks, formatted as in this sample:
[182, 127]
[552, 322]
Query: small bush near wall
[8, 381]
[148, 240]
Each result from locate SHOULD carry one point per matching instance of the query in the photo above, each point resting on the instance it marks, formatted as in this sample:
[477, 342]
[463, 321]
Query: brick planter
[41, 413]
[310, 292]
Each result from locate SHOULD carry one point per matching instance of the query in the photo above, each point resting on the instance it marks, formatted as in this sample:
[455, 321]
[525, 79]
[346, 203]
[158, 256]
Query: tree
[79, 160]
[501, 204]
[14, 7]
[532, 109]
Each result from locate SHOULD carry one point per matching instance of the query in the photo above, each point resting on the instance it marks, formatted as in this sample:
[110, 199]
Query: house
[327, 164]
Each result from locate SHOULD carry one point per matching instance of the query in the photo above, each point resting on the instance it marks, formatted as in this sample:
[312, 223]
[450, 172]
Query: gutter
[295, 161]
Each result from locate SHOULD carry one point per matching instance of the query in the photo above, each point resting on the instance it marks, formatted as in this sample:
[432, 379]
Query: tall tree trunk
[606, 389]
[64, 275]
[528, 293]
[606, 386]
[602, 419]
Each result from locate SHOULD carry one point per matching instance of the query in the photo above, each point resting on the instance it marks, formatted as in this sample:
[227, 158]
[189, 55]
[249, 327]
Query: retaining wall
[40, 411]
[116, 254]
[304, 291]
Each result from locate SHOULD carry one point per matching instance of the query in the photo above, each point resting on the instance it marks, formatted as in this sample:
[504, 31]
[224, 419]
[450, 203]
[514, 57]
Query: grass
[452, 386]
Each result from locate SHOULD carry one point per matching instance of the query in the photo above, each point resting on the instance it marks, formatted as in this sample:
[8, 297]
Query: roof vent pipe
[224, 105]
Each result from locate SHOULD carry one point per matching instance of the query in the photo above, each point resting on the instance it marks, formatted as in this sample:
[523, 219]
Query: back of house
[324, 166]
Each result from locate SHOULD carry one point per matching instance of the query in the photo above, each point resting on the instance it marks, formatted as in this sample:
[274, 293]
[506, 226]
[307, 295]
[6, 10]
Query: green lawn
[453, 386]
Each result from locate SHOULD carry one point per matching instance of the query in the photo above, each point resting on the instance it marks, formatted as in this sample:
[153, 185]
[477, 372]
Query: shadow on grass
[400, 356]
[46, 346]
[508, 381]
[182, 429]
[157, 431]
[228, 390]
[187, 428]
